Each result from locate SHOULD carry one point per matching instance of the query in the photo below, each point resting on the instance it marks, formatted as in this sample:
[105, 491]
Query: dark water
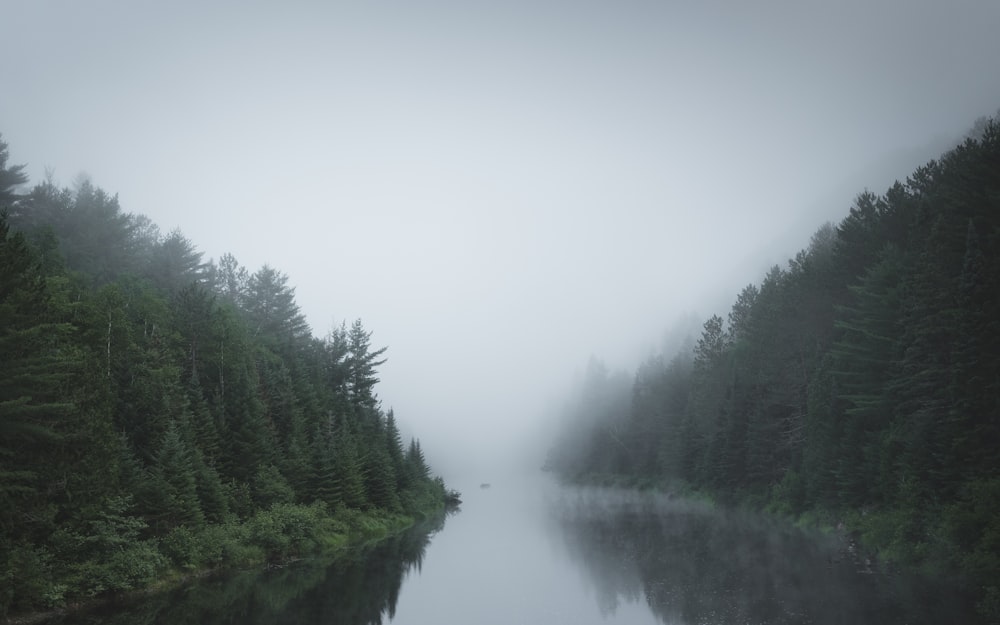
[690, 564]
[532, 552]
[359, 586]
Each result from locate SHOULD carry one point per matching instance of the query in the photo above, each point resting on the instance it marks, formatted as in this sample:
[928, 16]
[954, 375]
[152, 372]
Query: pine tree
[323, 482]
[175, 264]
[270, 487]
[380, 479]
[211, 493]
[251, 443]
[864, 365]
[362, 362]
[348, 469]
[394, 448]
[38, 366]
[271, 309]
[10, 178]
[707, 412]
[230, 280]
[415, 462]
[172, 493]
[976, 373]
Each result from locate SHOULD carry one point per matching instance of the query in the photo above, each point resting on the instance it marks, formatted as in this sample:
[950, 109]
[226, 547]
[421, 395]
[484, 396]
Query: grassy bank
[43, 584]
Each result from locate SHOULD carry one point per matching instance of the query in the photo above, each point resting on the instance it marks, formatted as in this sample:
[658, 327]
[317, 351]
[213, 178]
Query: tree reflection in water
[358, 587]
[692, 564]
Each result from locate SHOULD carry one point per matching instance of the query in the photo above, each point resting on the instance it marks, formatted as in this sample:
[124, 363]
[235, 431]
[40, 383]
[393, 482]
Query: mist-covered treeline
[160, 411]
[861, 381]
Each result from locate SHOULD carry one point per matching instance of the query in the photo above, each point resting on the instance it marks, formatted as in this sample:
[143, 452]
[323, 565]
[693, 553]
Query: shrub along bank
[122, 562]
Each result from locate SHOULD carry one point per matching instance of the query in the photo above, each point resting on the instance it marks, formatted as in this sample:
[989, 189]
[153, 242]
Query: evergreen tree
[33, 373]
[324, 483]
[175, 264]
[350, 486]
[380, 479]
[361, 362]
[271, 308]
[11, 177]
[212, 497]
[171, 497]
[251, 443]
[394, 448]
[231, 280]
[415, 462]
[864, 359]
[271, 487]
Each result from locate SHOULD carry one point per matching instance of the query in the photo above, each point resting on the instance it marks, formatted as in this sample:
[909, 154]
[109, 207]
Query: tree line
[149, 398]
[859, 382]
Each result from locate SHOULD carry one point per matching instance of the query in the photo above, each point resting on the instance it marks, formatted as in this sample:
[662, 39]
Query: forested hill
[159, 411]
[864, 377]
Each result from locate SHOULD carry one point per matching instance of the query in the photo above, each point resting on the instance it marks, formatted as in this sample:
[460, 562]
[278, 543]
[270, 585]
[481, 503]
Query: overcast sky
[499, 189]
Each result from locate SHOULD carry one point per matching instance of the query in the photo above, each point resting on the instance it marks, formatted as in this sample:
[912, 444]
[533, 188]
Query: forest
[161, 414]
[859, 386]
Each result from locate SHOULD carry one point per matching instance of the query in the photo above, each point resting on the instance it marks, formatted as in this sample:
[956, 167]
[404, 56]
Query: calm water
[532, 552]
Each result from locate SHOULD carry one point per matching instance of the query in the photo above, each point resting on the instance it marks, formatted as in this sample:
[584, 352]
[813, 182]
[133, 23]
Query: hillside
[162, 413]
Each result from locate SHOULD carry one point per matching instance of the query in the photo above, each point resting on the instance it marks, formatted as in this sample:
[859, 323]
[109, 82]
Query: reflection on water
[360, 587]
[694, 565]
[533, 552]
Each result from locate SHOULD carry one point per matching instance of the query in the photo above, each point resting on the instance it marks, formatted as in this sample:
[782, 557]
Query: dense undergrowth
[121, 562]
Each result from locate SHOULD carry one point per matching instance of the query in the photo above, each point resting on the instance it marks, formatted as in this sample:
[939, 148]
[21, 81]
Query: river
[531, 552]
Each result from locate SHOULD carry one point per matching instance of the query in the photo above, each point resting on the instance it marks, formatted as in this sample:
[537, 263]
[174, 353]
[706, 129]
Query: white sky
[498, 189]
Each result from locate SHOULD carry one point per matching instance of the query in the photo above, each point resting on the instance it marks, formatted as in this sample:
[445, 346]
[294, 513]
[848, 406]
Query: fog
[499, 190]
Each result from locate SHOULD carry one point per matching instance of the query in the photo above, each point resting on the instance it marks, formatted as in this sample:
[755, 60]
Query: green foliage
[27, 580]
[171, 493]
[10, 178]
[425, 498]
[182, 547]
[135, 566]
[858, 383]
[284, 529]
[270, 487]
[158, 412]
[362, 362]
[972, 524]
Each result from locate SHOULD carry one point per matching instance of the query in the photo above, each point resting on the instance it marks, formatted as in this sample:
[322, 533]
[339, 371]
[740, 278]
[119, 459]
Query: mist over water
[691, 563]
[531, 551]
[502, 191]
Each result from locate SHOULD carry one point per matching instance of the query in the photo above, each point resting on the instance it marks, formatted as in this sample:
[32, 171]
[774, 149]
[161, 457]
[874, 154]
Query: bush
[972, 527]
[134, 567]
[27, 580]
[183, 548]
[218, 544]
[287, 529]
[788, 495]
[899, 535]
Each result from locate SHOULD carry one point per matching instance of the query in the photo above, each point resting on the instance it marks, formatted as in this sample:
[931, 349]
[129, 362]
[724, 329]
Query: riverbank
[947, 543]
[271, 538]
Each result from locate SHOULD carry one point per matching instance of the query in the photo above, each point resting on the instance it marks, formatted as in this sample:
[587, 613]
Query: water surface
[532, 552]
